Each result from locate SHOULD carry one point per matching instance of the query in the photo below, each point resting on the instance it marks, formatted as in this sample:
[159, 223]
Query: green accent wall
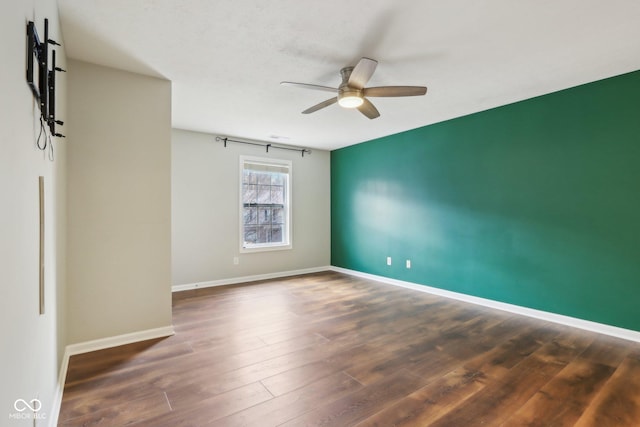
[535, 203]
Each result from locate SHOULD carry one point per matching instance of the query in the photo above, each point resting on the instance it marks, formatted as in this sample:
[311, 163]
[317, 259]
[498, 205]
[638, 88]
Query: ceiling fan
[352, 92]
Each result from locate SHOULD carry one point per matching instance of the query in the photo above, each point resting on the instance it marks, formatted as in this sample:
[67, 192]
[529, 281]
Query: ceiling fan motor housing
[348, 97]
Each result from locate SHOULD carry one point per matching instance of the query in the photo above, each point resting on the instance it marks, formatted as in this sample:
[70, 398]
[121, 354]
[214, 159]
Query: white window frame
[287, 241]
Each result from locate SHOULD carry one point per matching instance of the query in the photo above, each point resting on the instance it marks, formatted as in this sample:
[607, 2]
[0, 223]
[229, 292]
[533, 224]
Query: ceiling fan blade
[368, 109]
[320, 105]
[362, 72]
[310, 86]
[395, 91]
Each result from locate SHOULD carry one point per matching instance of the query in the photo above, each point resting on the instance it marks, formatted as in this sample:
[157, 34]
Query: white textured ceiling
[226, 58]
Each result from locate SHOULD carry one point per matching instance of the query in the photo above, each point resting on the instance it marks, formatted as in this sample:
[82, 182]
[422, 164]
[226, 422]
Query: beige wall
[31, 345]
[205, 211]
[119, 202]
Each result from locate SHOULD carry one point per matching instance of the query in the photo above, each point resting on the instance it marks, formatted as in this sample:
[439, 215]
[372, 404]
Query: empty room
[290, 213]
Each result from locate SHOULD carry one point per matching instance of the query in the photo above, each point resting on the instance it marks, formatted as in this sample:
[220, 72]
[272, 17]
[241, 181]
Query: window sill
[265, 248]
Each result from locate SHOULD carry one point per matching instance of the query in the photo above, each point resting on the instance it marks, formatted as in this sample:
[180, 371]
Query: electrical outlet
[388, 260]
[236, 260]
[408, 263]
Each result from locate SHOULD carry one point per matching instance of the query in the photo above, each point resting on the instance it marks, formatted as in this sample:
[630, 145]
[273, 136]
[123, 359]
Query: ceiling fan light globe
[350, 101]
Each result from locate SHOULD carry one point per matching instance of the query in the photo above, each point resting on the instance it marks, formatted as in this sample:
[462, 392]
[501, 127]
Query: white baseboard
[94, 345]
[587, 325]
[102, 343]
[245, 279]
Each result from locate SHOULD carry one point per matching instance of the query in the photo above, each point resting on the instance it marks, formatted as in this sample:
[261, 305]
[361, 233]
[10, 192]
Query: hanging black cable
[42, 130]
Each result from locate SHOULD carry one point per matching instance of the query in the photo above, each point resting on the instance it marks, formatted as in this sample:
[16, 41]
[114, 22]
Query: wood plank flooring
[328, 349]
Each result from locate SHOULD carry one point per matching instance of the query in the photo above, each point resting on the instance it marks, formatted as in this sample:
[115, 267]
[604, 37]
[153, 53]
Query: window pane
[249, 193]
[264, 178]
[277, 195]
[277, 216]
[276, 234]
[250, 215]
[264, 234]
[264, 216]
[264, 194]
[277, 179]
[249, 177]
[250, 234]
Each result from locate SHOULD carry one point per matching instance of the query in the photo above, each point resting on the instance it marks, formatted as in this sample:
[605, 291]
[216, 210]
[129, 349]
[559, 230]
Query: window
[265, 188]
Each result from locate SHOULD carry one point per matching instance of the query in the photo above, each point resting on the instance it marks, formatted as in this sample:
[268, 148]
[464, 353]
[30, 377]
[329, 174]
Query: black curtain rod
[267, 145]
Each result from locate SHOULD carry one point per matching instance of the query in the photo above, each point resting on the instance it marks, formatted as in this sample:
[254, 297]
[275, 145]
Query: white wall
[31, 345]
[119, 202]
[205, 211]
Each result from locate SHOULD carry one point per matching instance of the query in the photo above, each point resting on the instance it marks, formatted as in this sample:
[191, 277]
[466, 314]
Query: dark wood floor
[332, 350]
